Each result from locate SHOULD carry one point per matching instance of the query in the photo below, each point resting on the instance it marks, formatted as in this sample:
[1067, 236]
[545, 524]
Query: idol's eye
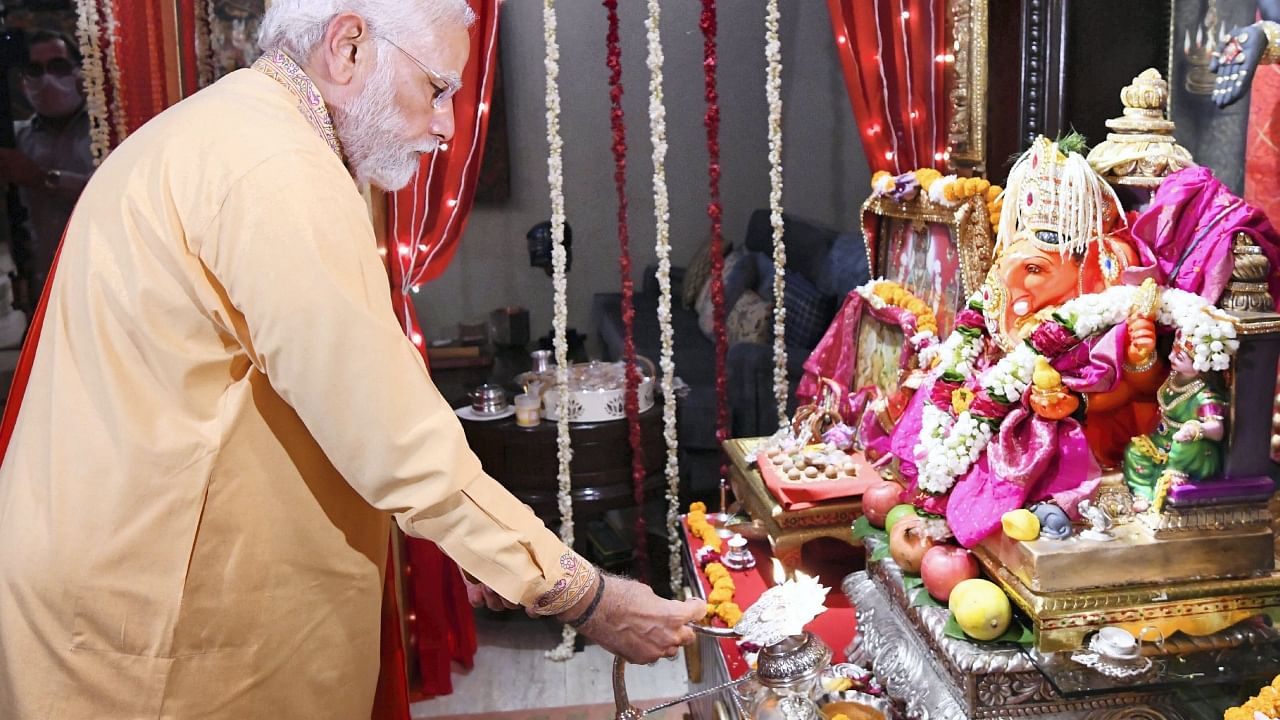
[1034, 269]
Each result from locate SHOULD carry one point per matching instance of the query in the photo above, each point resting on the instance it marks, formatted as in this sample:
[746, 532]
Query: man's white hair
[298, 26]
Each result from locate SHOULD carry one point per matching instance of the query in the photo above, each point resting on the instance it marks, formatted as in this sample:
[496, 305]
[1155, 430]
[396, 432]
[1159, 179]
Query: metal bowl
[489, 399]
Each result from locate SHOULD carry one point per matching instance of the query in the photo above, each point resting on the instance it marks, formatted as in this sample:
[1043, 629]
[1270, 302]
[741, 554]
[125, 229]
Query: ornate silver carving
[938, 678]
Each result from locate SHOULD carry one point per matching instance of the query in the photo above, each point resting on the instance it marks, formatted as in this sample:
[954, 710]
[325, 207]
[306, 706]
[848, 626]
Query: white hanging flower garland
[560, 319]
[88, 32]
[949, 445]
[662, 218]
[120, 116]
[773, 95]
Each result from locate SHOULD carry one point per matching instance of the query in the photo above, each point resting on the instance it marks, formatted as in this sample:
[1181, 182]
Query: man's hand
[18, 169]
[481, 596]
[637, 625]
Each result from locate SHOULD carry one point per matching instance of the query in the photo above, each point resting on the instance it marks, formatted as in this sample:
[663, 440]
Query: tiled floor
[511, 673]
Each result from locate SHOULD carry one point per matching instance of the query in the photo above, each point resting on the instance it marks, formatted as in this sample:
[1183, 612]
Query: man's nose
[442, 125]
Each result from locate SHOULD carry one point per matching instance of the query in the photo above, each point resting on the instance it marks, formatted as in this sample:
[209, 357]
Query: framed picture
[940, 254]
[880, 346]
[1216, 137]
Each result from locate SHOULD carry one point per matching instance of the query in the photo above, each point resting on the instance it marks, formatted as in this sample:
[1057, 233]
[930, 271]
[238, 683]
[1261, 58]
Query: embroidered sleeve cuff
[576, 578]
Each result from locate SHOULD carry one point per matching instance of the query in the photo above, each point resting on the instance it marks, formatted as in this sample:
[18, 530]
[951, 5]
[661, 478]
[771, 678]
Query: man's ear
[345, 43]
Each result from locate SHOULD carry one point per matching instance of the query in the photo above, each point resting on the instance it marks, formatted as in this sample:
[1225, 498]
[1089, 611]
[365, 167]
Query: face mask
[53, 96]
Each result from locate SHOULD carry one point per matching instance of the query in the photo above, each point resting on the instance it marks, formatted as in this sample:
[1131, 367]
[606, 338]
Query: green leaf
[1018, 632]
[952, 629]
[880, 553]
[922, 598]
[1073, 142]
[911, 582]
[863, 529]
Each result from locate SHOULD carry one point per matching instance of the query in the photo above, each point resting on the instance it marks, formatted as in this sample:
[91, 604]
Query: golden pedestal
[1138, 555]
[788, 531]
[1063, 620]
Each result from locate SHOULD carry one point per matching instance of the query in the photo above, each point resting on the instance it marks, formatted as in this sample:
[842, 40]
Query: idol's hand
[1054, 405]
[637, 625]
[481, 596]
[1142, 340]
[1236, 63]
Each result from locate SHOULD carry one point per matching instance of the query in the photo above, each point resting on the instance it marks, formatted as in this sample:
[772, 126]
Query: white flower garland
[948, 447]
[88, 30]
[560, 320]
[773, 94]
[662, 219]
[120, 113]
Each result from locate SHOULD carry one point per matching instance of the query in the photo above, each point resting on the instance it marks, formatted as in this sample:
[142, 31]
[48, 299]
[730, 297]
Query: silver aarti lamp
[790, 665]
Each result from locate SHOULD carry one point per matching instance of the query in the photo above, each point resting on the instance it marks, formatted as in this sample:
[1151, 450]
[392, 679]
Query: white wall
[825, 173]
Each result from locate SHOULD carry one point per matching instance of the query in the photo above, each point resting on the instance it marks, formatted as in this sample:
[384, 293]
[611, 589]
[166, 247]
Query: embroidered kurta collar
[277, 65]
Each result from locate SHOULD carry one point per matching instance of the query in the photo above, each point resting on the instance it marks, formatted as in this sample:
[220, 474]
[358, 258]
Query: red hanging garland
[614, 60]
[715, 210]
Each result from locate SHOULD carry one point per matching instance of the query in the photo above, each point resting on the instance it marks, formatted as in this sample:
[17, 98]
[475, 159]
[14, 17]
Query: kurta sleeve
[293, 248]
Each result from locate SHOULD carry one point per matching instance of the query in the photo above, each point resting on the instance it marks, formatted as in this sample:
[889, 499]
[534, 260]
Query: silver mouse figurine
[1100, 522]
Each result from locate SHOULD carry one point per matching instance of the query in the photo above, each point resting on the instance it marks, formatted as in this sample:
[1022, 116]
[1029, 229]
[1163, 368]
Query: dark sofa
[822, 267]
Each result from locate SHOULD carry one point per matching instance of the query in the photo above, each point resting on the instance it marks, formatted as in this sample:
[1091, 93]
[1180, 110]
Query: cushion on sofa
[732, 291]
[809, 311]
[699, 272]
[750, 320]
[845, 266]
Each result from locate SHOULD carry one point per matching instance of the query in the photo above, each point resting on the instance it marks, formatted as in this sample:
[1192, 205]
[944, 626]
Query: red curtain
[894, 54]
[424, 224]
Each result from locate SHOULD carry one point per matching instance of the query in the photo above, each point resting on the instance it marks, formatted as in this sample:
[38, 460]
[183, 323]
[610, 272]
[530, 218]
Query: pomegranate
[908, 544]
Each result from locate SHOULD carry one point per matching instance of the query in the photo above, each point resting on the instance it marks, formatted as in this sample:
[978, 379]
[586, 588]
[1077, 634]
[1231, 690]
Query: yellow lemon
[981, 609]
[1021, 525]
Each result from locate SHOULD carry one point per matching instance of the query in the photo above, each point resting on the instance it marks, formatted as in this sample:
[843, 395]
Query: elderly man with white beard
[221, 413]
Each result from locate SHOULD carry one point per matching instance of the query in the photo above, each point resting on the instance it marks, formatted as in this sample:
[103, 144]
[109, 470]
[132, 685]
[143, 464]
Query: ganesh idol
[1052, 366]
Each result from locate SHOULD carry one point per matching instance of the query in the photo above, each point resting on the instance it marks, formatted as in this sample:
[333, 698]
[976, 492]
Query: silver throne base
[939, 678]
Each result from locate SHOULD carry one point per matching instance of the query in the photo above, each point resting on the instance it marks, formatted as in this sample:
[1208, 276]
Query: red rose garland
[614, 60]
[715, 210]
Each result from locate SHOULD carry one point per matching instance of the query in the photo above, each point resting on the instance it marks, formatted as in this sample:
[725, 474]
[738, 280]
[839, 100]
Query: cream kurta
[221, 413]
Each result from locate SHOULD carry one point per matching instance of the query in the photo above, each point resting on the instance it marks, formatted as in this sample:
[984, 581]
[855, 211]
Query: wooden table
[788, 530]
[524, 460]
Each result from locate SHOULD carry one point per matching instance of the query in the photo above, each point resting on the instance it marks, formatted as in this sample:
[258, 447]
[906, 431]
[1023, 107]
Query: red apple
[908, 544]
[878, 500]
[944, 567]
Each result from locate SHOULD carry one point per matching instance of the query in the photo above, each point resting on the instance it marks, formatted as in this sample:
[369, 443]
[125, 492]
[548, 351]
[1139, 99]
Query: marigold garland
[699, 526]
[894, 295]
[1267, 702]
[947, 190]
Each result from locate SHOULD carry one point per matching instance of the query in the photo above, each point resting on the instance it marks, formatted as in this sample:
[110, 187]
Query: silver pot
[489, 399]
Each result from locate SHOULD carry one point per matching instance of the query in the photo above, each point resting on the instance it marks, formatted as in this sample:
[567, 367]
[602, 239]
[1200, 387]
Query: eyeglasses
[444, 87]
[59, 67]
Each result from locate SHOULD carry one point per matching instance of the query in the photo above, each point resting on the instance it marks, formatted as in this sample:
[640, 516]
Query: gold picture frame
[941, 254]
[967, 85]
